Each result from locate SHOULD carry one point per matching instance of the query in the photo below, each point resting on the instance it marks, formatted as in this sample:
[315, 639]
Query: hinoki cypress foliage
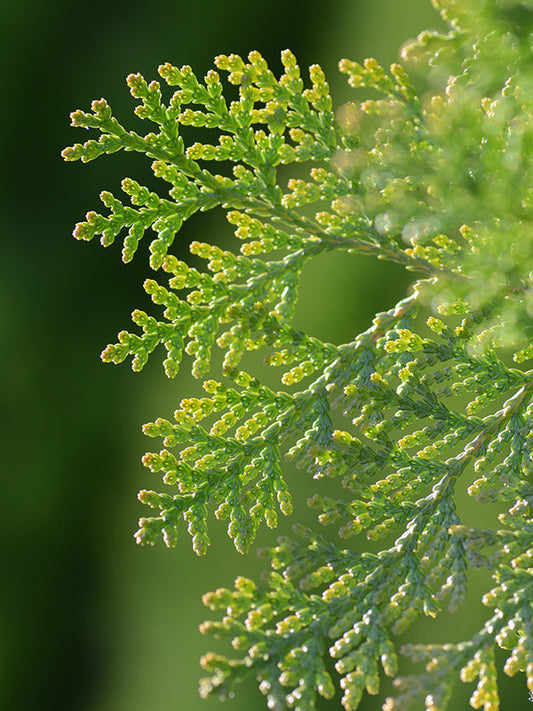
[434, 398]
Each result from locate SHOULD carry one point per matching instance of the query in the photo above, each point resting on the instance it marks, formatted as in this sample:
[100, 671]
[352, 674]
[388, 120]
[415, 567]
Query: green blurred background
[90, 621]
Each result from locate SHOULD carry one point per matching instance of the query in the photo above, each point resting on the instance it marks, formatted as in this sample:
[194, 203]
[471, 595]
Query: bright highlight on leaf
[436, 392]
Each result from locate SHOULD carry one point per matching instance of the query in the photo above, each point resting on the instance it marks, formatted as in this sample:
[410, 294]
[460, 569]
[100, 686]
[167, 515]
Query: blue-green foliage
[440, 184]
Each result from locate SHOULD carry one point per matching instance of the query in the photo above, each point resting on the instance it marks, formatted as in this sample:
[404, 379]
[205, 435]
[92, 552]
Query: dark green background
[90, 621]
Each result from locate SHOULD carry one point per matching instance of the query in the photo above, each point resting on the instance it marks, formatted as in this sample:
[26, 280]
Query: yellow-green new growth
[431, 399]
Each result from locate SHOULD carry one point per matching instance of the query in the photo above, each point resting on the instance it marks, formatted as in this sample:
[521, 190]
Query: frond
[435, 389]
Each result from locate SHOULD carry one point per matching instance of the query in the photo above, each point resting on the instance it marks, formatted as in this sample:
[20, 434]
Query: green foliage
[437, 180]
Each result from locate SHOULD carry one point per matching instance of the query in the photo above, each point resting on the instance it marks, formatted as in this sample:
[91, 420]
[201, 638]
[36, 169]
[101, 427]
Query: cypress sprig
[436, 393]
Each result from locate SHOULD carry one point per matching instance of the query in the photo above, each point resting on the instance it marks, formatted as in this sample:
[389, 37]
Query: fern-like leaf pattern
[438, 183]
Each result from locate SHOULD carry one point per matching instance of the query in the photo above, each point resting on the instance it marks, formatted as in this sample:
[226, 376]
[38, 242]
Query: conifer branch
[435, 390]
